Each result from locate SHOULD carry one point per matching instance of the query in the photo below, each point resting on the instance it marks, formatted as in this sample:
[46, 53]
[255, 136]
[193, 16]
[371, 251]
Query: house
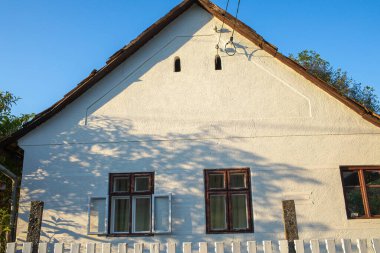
[175, 140]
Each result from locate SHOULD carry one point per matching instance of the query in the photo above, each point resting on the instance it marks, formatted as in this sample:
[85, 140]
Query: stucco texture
[255, 112]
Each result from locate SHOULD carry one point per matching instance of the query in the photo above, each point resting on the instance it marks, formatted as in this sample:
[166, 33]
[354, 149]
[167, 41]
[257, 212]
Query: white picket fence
[331, 246]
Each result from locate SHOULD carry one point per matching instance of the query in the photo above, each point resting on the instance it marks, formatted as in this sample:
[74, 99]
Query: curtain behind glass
[121, 218]
[239, 211]
[218, 212]
[142, 214]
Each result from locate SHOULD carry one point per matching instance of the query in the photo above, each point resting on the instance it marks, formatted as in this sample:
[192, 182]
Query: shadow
[87, 148]
[69, 174]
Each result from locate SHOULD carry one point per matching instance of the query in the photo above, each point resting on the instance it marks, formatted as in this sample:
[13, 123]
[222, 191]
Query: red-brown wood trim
[364, 193]
[117, 58]
[129, 194]
[363, 189]
[228, 192]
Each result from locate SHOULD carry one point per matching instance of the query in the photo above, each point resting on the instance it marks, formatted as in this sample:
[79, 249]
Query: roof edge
[121, 55]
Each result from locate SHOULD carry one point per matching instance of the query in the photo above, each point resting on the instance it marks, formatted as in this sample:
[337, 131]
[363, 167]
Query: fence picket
[219, 247]
[58, 247]
[251, 247]
[138, 247]
[75, 248]
[314, 246]
[42, 247]
[90, 248]
[170, 247]
[346, 246]
[186, 247]
[203, 247]
[11, 247]
[27, 247]
[283, 246]
[106, 247]
[375, 245]
[235, 246]
[299, 245]
[267, 247]
[362, 245]
[154, 248]
[330, 246]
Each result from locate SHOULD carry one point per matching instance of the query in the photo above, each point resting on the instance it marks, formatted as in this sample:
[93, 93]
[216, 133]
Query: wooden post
[290, 223]
[35, 222]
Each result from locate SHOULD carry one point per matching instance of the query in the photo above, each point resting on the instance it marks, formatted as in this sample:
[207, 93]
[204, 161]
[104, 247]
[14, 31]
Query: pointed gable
[120, 56]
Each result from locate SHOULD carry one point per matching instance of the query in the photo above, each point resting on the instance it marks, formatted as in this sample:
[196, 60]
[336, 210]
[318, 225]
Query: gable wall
[255, 113]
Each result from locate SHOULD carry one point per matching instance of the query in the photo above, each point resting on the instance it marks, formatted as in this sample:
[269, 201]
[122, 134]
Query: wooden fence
[313, 246]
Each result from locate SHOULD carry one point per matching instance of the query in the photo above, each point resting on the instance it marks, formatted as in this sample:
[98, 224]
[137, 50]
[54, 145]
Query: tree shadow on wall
[69, 173]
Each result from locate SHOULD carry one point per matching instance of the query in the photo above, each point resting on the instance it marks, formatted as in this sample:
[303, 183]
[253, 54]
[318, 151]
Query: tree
[316, 65]
[8, 124]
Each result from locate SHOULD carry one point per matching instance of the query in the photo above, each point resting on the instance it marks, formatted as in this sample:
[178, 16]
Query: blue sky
[47, 47]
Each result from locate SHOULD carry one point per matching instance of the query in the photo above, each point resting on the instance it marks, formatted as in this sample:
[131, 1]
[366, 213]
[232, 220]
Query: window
[228, 201]
[130, 203]
[361, 186]
[177, 64]
[218, 63]
[97, 213]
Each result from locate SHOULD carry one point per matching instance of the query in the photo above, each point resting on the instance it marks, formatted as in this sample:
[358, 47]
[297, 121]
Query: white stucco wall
[255, 113]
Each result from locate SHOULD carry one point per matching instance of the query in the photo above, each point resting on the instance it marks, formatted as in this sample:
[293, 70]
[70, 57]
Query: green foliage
[8, 124]
[339, 79]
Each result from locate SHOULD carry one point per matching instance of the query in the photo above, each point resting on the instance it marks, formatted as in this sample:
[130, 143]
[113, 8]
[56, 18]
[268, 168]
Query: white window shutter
[97, 216]
[162, 213]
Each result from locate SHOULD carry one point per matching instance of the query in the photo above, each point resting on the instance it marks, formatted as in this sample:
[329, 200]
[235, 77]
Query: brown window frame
[130, 193]
[228, 191]
[363, 189]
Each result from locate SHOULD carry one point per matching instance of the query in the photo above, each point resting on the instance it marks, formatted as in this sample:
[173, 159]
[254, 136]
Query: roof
[121, 55]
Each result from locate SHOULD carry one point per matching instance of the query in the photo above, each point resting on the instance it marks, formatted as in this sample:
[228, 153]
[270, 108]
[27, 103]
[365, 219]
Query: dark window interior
[218, 63]
[361, 186]
[228, 201]
[177, 64]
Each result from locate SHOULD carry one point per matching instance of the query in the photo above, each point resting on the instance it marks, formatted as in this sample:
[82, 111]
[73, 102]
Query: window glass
[216, 181]
[354, 202]
[218, 212]
[237, 180]
[121, 214]
[239, 211]
[142, 214]
[97, 215]
[121, 184]
[350, 178]
[161, 213]
[372, 177]
[374, 200]
[141, 184]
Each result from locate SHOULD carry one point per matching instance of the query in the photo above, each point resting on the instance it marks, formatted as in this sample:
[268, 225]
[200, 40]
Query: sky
[47, 47]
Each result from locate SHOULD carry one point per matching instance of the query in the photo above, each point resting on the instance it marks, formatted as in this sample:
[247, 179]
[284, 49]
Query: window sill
[127, 235]
[377, 217]
[231, 232]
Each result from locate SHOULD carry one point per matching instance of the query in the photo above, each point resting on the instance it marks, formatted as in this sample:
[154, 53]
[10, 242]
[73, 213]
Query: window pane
[216, 181]
[121, 215]
[374, 200]
[141, 184]
[121, 184]
[354, 202]
[142, 214]
[239, 211]
[161, 213]
[237, 180]
[350, 178]
[218, 212]
[372, 177]
[97, 215]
